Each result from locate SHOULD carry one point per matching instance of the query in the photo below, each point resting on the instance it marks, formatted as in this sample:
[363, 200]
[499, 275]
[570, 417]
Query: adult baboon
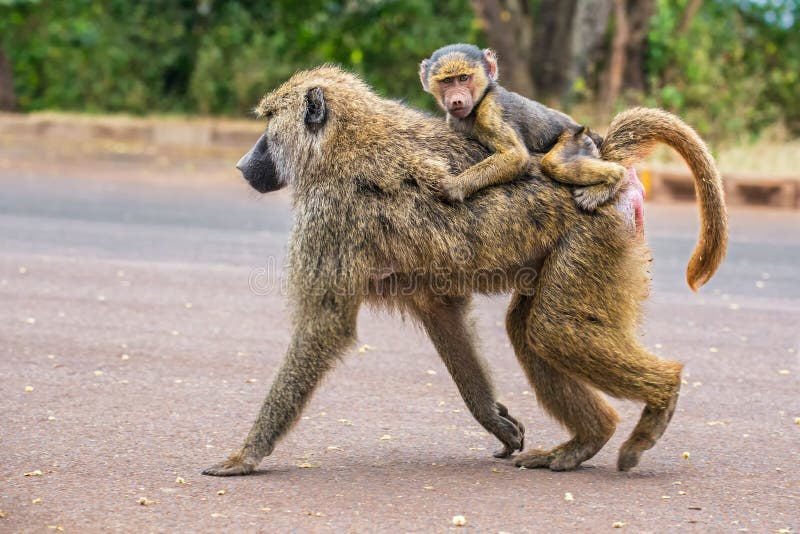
[369, 228]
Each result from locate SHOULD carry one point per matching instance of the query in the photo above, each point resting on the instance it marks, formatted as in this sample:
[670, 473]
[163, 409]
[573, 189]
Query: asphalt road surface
[141, 321]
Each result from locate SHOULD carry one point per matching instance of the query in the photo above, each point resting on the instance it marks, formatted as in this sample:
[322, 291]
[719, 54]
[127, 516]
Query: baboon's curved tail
[633, 135]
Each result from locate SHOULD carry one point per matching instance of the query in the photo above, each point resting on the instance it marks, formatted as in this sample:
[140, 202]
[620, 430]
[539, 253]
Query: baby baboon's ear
[316, 112]
[490, 59]
[423, 74]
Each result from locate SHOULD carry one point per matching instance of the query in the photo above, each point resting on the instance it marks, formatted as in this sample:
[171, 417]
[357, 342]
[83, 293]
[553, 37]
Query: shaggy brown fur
[370, 229]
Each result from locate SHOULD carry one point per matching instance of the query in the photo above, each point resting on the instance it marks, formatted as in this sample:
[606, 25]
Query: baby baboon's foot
[452, 190]
[591, 197]
[649, 429]
[509, 431]
[565, 457]
[236, 465]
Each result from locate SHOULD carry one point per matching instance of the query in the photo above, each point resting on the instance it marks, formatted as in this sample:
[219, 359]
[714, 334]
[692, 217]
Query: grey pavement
[142, 320]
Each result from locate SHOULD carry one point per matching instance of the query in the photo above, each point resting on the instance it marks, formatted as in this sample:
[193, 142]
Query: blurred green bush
[735, 70]
[213, 57]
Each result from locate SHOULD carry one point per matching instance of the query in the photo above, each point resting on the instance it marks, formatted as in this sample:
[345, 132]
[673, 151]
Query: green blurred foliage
[214, 57]
[734, 71]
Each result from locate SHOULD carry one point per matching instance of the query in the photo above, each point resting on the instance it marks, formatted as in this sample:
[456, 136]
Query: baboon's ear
[490, 59]
[423, 74]
[316, 112]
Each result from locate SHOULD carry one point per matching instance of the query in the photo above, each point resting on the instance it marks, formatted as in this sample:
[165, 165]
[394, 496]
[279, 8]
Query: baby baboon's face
[458, 77]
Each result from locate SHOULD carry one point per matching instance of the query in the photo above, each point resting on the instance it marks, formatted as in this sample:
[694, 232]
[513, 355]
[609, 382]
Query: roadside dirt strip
[663, 184]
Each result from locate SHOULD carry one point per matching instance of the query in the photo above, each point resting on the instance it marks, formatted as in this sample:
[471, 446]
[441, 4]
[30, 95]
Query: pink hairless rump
[631, 201]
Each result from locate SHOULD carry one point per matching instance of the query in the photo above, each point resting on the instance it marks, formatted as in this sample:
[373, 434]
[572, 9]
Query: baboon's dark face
[258, 167]
[295, 121]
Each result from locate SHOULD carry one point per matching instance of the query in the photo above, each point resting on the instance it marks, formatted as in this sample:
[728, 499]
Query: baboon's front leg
[446, 321]
[314, 350]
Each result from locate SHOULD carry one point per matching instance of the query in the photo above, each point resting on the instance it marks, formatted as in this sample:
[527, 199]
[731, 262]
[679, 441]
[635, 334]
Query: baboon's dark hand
[512, 435]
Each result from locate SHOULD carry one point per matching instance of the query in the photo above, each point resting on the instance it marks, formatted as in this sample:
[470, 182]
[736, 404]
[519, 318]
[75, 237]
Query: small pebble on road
[459, 520]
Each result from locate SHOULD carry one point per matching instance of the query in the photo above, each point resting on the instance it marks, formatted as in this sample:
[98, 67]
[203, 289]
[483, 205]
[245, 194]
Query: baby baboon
[463, 79]
[370, 229]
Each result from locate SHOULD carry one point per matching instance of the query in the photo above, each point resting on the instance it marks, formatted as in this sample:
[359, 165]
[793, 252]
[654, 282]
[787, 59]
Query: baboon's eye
[449, 79]
[463, 78]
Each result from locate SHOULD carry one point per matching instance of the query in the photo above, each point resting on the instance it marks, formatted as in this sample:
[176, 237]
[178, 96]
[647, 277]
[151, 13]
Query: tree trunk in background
[589, 27]
[509, 28]
[543, 53]
[639, 14]
[688, 15]
[8, 99]
[552, 48]
[612, 84]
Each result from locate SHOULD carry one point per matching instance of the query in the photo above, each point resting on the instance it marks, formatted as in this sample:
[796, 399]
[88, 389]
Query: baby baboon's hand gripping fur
[359, 165]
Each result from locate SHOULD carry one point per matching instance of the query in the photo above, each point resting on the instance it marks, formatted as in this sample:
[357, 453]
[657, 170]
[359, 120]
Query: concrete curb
[740, 190]
[177, 131]
[661, 184]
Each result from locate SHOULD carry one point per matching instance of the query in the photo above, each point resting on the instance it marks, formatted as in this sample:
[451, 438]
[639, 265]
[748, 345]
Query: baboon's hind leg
[446, 321]
[651, 426]
[587, 416]
[583, 323]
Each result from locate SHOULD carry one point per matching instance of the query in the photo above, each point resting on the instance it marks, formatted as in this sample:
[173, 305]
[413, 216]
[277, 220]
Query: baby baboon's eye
[463, 78]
